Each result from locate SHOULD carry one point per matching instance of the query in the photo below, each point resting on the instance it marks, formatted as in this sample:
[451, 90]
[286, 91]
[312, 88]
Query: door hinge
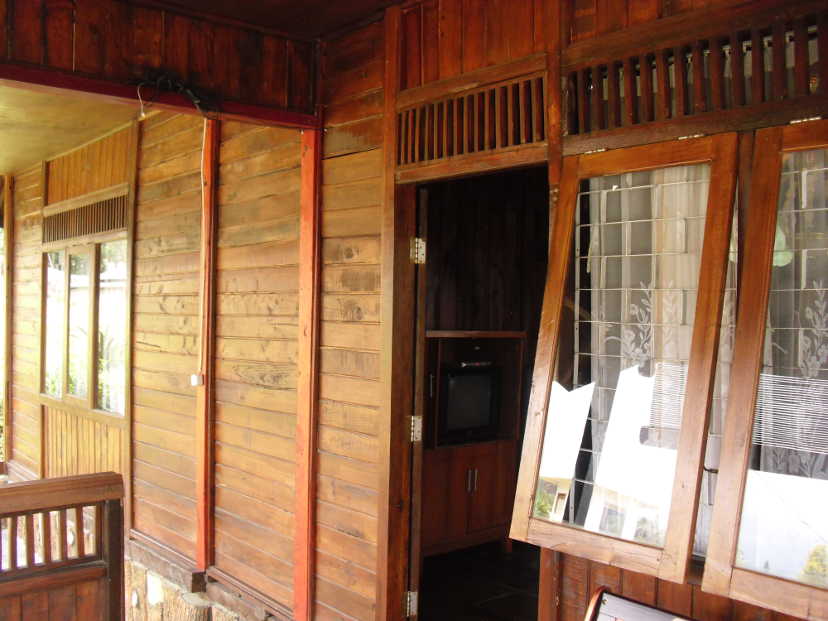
[418, 250]
[416, 428]
[411, 598]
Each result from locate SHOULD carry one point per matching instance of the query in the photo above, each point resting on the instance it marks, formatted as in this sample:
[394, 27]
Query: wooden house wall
[256, 355]
[166, 328]
[352, 193]
[26, 432]
[119, 42]
[98, 165]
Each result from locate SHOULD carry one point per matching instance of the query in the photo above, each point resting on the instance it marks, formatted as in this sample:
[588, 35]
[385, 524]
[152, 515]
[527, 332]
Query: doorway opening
[479, 297]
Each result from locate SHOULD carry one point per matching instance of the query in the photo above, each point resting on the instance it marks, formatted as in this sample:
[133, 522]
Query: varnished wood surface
[118, 42]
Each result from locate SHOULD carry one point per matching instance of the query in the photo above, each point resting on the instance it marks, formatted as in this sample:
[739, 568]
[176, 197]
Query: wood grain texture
[307, 391]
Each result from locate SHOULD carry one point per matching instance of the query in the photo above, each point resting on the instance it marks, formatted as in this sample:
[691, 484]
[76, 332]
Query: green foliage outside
[815, 570]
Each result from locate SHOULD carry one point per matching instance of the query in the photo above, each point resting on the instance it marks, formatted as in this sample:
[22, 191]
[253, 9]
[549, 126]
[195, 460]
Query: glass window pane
[78, 325]
[609, 453]
[784, 527]
[55, 309]
[112, 299]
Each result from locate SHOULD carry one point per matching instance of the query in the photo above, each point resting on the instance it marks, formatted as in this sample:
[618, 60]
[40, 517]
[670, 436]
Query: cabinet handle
[476, 473]
[469, 480]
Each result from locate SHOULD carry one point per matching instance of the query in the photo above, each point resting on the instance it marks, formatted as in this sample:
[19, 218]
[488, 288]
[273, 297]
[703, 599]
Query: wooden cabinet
[467, 494]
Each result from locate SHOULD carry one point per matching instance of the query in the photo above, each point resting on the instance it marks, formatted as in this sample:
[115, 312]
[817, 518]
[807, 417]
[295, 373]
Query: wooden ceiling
[35, 126]
[305, 19]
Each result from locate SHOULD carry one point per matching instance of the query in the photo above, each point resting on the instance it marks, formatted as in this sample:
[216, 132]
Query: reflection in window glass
[610, 442]
[78, 325]
[112, 292]
[784, 527]
[55, 308]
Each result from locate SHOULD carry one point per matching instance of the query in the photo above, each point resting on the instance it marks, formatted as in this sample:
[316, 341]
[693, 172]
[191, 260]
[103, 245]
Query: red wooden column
[307, 390]
[205, 379]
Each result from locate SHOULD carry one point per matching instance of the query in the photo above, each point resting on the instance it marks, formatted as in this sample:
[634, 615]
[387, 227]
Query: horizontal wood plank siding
[256, 356]
[349, 386]
[165, 334]
[26, 438]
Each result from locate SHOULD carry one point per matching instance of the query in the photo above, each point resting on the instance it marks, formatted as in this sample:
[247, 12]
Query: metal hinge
[418, 251]
[416, 428]
[411, 598]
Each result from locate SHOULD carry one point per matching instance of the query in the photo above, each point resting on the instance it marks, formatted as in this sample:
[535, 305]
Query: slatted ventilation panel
[506, 115]
[779, 62]
[101, 216]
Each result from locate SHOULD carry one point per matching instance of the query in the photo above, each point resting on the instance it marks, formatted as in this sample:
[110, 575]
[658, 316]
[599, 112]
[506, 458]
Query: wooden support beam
[304, 544]
[8, 261]
[207, 317]
[51, 80]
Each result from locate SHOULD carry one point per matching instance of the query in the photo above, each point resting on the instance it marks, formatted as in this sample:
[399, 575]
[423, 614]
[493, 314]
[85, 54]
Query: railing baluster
[822, 52]
[64, 545]
[47, 537]
[13, 543]
[737, 70]
[680, 72]
[536, 109]
[445, 150]
[645, 70]
[629, 92]
[30, 540]
[716, 74]
[778, 77]
[699, 99]
[757, 67]
[417, 119]
[81, 544]
[662, 109]
[801, 57]
[597, 104]
[613, 97]
[524, 118]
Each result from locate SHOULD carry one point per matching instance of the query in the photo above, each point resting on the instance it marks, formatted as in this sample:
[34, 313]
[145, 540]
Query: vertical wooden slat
[476, 120]
[435, 129]
[582, 102]
[467, 115]
[206, 389]
[307, 389]
[680, 72]
[444, 140]
[645, 70]
[779, 79]
[13, 564]
[801, 68]
[757, 58]
[524, 129]
[597, 100]
[629, 93]
[510, 137]
[79, 535]
[456, 129]
[716, 74]
[30, 540]
[662, 105]
[536, 110]
[47, 537]
[699, 99]
[822, 52]
[112, 553]
[737, 70]
[418, 119]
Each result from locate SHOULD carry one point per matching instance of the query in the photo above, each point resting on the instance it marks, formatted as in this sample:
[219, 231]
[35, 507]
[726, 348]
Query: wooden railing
[61, 548]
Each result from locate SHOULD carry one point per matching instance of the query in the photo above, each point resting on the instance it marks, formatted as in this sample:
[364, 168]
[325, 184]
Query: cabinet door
[486, 506]
[445, 497]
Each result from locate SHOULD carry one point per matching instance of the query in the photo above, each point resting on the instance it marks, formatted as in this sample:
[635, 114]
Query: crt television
[469, 403]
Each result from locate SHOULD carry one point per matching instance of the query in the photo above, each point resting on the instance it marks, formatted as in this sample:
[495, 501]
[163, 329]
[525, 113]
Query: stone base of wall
[151, 597]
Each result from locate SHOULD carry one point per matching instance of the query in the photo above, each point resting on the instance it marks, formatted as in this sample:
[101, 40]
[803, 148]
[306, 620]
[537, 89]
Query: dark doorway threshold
[481, 584]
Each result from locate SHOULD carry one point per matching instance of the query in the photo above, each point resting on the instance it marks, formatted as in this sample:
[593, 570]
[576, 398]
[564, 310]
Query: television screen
[469, 403]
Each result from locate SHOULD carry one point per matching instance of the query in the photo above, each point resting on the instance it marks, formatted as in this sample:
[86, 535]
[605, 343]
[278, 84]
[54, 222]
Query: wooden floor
[481, 584]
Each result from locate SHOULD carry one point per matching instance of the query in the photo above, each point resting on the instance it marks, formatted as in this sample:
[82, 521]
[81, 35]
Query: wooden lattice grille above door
[91, 214]
[757, 64]
[505, 115]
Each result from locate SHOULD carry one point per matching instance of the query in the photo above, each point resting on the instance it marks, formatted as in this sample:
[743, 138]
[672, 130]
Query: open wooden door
[420, 355]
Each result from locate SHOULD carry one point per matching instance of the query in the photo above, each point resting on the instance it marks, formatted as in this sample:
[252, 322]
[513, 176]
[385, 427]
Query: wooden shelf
[474, 334]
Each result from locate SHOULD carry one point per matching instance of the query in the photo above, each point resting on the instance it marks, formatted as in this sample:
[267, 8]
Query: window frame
[90, 247]
[721, 575]
[671, 562]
